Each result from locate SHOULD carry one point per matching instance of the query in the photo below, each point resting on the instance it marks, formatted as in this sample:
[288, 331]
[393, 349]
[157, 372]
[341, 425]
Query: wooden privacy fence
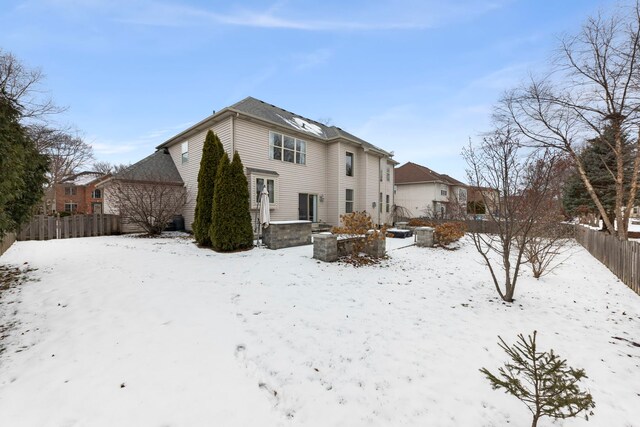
[6, 241]
[44, 227]
[622, 258]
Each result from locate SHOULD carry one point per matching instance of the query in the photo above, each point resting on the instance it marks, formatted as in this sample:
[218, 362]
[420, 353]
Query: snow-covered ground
[121, 331]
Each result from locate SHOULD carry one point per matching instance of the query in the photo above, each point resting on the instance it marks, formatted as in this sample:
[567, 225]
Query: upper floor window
[388, 173]
[185, 152]
[287, 148]
[443, 192]
[349, 163]
[69, 191]
[96, 194]
[462, 195]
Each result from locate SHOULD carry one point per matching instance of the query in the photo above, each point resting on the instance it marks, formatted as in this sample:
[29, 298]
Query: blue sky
[415, 77]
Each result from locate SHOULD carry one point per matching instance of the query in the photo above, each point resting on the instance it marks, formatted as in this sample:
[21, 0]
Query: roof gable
[158, 167]
[270, 113]
[413, 172]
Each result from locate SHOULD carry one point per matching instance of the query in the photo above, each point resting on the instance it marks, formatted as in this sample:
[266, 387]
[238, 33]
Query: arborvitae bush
[231, 220]
[449, 232]
[542, 381]
[211, 154]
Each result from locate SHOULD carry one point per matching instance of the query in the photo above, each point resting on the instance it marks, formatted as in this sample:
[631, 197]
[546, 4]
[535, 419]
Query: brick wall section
[287, 234]
[82, 197]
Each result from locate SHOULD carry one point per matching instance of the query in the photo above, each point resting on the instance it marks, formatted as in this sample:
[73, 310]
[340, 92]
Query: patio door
[308, 207]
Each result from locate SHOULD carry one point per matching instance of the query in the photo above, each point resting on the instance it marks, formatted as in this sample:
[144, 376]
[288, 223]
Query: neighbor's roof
[83, 178]
[255, 108]
[412, 173]
[157, 167]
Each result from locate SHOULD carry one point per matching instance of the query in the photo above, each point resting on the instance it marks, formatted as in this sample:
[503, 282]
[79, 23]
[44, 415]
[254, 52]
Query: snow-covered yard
[121, 331]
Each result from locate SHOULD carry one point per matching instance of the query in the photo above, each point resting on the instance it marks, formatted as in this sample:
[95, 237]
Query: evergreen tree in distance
[599, 162]
[211, 154]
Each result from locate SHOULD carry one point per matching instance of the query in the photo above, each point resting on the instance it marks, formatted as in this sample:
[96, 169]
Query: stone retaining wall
[328, 248]
[285, 234]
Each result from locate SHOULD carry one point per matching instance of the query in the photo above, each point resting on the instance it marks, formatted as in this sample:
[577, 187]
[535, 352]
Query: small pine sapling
[542, 381]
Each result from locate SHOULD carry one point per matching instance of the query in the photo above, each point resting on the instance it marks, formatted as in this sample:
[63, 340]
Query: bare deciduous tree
[67, 153]
[549, 237]
[149, 204]
[594, 84]
[22, 85]
[521, 178]
[105, 167]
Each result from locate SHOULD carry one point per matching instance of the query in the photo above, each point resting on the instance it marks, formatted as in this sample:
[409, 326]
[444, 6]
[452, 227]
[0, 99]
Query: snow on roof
[83, 178]
[303, 125]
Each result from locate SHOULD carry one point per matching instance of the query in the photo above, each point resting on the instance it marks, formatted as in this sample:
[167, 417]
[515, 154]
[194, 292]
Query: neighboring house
[424, 192]
[482, 200]
[142, 189]
[312, 171]
[77, 194]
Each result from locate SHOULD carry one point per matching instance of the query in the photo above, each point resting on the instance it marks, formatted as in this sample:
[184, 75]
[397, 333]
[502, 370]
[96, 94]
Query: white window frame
[298, 153]
[347, 200]
[254, 189]
[72, 204]
[388, 174]
[462, 195]
[184, 150]
[93, 193]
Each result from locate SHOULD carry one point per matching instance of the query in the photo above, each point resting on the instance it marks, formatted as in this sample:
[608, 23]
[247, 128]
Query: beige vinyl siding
[334, 200]
[252, 143]
[189, 171]
[417, 198]
[373, 185]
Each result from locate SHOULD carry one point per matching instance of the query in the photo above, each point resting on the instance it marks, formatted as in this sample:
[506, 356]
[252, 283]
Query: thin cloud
[382, 16]
[312, 59]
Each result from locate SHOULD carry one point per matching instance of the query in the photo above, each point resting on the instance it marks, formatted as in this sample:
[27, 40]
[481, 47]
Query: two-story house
[312, 171]
[423, 192]
[77, 194]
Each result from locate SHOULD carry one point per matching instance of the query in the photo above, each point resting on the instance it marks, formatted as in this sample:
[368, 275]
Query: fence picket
[622, 258]
[43, 227]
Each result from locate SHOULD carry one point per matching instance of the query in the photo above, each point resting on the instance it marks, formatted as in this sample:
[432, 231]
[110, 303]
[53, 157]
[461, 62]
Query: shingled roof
[158, 167]
[270, 113]
[413, 172]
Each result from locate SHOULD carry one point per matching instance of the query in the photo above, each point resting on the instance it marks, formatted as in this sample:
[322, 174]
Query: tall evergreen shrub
[231, 220]
[211, 154]
[22, 169]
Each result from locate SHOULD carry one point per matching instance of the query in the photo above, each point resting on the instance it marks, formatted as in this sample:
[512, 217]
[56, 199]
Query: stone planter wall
[328, 248]
[285, 234]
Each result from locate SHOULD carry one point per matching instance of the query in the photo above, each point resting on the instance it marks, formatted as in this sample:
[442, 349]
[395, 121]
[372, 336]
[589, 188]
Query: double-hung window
[69, 191]
[287, 148]
[348, 206]
[387, 204]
